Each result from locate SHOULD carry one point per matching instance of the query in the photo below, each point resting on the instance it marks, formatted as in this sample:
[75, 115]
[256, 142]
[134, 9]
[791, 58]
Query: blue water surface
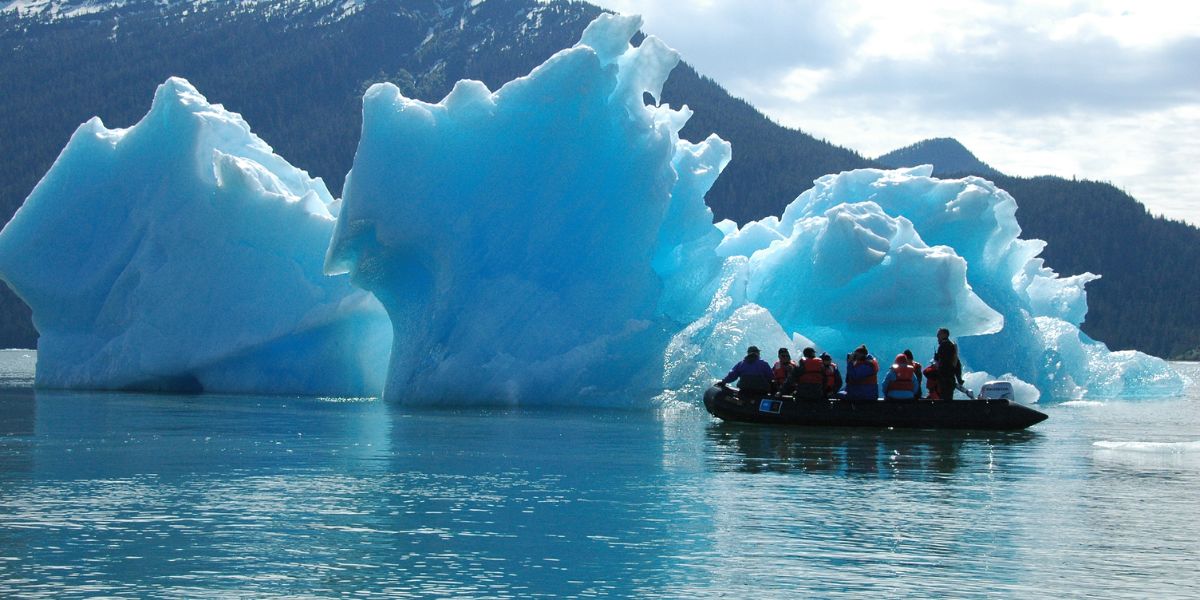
[143, 495]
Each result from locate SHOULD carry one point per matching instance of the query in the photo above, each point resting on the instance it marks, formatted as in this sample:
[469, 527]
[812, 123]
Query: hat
[752, 350]
[826, 357]
[809, 352]
[861, 349]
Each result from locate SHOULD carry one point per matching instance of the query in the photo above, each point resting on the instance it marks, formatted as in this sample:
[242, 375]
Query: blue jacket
[757, 367]
[861, 380]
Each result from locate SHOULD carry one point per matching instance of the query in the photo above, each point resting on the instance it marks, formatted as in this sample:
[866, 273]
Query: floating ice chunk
[183, 254]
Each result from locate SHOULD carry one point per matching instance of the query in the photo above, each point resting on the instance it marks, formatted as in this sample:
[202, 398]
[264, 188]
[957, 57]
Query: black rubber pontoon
[724, 403]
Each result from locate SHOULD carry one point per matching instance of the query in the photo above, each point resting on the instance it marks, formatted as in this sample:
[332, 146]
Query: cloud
[1088, 88]
[1030, 77]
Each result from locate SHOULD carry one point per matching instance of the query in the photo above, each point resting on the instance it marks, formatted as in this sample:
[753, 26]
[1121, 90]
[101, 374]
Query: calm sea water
[213, 496]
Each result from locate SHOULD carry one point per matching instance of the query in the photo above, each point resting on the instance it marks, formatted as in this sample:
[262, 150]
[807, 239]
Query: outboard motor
[998, 390]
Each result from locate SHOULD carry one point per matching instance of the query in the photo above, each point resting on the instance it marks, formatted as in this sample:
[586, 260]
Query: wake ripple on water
[1155, 447]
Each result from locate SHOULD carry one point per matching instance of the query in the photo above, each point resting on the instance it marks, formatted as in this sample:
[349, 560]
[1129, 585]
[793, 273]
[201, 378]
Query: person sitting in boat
[753, 374]
[862, 371]
[916, 369]
[781, 370]
[808, 378]
[931, 381]
[833, 377]
[901, 381]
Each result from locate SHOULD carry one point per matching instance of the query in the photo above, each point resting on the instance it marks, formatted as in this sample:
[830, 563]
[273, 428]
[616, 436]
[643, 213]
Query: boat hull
[724, 403]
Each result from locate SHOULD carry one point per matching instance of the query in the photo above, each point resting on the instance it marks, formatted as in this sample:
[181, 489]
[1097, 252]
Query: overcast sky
[1098, 90]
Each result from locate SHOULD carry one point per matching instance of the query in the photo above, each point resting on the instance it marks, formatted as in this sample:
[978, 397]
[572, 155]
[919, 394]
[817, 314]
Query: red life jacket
[780, 371]
[931, 383]
[906, 380]
[830, 376]
[813, 371]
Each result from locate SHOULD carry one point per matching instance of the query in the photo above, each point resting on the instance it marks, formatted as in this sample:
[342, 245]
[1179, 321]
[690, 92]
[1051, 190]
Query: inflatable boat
[984, 413]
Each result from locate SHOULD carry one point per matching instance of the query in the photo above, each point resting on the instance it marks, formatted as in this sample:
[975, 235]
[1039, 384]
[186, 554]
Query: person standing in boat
[916, 369]
[781, 370]
[833, 377]
[949, 371]
[862, 375]
[808, 378]
[753, 374]
[901, 381]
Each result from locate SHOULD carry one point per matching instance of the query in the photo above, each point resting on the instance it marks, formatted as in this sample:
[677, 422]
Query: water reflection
[879, 453]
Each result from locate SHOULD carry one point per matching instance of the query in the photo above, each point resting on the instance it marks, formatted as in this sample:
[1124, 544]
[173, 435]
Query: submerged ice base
[544, 243]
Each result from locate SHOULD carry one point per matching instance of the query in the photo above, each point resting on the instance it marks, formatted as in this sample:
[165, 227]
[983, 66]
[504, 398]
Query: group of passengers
[818, 378]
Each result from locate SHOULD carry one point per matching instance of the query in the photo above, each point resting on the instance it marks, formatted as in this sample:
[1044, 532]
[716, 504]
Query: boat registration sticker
[768, 405]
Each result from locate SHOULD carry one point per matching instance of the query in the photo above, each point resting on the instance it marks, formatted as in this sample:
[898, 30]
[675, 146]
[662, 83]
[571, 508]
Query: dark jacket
[946, 357]
[745, 367]
[862, 381]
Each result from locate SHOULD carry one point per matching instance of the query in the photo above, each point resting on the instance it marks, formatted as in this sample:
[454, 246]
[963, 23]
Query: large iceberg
[183, 254]
[546, 242]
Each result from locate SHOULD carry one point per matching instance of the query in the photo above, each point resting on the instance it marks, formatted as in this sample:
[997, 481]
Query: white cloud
[1102, 90]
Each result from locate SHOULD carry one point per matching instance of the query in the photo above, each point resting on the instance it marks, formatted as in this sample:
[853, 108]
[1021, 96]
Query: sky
[1101, 90]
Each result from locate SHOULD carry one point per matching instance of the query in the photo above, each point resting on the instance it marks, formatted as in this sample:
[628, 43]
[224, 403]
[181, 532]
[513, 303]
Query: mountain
[296, 70]
[946, 155]
[1146, 298]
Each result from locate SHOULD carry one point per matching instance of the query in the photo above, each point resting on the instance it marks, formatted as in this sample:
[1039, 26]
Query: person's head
[901, 360]
[810, 353]
[784, 354]
[861, 352]
[943, 334]
[908, 354]
[752, 352]
[826, 358]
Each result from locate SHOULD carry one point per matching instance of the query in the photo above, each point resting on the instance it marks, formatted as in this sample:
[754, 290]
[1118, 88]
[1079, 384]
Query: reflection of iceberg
[545, 242]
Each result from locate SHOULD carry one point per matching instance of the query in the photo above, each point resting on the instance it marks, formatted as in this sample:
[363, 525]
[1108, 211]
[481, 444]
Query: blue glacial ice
[183, 254]
[546, 242]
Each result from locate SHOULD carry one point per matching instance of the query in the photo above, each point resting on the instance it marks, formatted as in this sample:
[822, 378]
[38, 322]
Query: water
[213, 496]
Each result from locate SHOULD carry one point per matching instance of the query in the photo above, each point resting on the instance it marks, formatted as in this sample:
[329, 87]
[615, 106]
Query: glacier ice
[183, 254]
[546, 242]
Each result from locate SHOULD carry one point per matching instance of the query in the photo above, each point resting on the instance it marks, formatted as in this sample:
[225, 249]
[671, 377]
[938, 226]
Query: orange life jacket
[781, 370]
[813, 371]
[906, 380]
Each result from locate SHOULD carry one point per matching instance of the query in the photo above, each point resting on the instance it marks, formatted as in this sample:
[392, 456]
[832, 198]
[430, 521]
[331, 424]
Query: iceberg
[550, 239]
[543, 243]
[182, 254]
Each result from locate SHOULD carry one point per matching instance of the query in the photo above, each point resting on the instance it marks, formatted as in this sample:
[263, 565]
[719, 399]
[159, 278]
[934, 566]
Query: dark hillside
[771, 164]
[946, 155]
